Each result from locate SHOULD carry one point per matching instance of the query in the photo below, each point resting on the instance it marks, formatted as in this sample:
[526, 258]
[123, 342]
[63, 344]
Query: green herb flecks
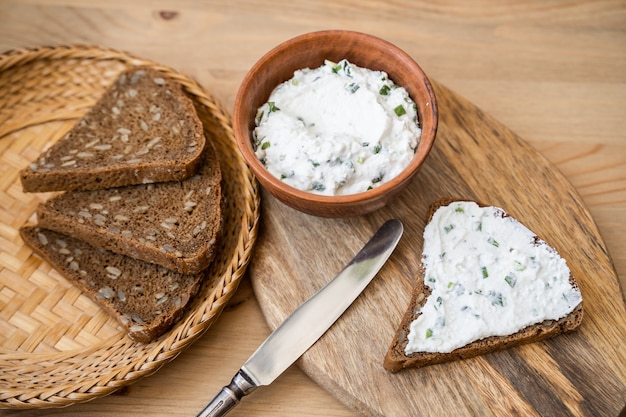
[510, 279]
[485, 272]
[429, 333]
[399, 110]
[265, 145]
[318, 186]
[360, 160]
[378, 178]
[259, 117]
[518, 266]
[384, 90]
[493, 242]
[272, 106]
[377, 148]
[459, 209]
[496, 298]
[448, 228]
[353, 87]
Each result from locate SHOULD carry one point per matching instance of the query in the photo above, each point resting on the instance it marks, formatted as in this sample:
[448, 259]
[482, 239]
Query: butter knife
[308, 322]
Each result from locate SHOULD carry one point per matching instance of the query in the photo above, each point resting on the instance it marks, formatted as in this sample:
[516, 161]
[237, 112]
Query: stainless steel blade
[309, 322]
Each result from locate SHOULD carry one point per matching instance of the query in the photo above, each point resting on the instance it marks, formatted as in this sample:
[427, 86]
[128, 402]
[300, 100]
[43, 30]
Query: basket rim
[153, 356]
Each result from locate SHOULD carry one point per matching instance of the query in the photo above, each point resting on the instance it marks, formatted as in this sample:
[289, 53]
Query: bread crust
[145, 299]
[155, 223]
[396, 359]
[151, 135]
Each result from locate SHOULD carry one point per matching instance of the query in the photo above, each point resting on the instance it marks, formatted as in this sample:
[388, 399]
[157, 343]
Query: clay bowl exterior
[310, 50]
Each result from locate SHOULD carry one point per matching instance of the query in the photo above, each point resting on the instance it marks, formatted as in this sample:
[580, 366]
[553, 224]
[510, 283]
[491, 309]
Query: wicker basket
[57, 347]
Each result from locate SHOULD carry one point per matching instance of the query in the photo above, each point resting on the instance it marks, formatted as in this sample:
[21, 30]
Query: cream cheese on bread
[489, 275]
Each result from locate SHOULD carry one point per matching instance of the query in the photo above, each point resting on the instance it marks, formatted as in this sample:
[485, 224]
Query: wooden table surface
[552, 71]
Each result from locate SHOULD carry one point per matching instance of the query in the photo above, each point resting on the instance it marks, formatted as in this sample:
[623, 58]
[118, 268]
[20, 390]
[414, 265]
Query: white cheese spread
[489, 276]
[337, 129]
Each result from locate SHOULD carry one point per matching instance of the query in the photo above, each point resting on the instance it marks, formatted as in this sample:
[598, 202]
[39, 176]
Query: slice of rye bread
[144, 129]
[146, 299]
[396, 359]
[174, 224]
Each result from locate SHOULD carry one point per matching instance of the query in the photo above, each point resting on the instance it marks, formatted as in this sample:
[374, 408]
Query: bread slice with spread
[174, 224]
[486, 283]
[144, 129]
[146, 299]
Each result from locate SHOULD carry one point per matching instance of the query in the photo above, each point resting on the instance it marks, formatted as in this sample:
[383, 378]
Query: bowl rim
[243, 136]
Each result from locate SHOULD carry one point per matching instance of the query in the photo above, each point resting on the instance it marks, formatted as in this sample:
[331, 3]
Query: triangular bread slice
[486, 283]
[145, 299]
[144, 129]
[174, 224]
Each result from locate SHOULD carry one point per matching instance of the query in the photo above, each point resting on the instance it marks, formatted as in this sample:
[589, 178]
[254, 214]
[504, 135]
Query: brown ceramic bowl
[310, 50]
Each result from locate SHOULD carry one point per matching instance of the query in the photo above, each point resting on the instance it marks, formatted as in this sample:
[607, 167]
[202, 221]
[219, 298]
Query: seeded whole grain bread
[144, 129]
[396, 359]
[146, 299]
[174, 224]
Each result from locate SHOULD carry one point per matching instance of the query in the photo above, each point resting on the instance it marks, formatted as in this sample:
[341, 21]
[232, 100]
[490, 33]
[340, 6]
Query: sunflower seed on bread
[144, 129]
[486, 283]
[174, 224]
[146, 299]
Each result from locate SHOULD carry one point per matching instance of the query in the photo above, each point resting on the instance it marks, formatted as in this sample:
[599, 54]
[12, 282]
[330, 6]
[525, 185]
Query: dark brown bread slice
[144, 129]
[146, 299]
[174, 224]
[396, 359]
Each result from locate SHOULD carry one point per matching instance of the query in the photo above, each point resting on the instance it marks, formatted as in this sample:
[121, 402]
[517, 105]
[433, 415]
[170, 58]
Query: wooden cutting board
[583, 373]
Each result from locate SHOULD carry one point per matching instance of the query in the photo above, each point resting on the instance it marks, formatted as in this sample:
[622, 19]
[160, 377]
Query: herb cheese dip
[338, 129]
[489, 276]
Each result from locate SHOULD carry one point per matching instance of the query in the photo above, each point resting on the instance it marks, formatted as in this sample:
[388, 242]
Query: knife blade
[305, 325]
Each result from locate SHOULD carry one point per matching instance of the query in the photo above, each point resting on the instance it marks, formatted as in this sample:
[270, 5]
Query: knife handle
[229, 396]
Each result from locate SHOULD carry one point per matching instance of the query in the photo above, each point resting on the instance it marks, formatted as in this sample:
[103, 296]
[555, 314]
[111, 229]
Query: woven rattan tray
[57, 347]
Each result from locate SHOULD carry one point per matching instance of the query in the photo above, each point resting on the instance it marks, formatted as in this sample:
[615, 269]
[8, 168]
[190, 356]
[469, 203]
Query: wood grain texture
[474, 157]
[552, 72]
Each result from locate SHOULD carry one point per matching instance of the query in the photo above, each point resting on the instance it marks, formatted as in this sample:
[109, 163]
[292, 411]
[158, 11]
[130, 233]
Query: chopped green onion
[448, 228]
[493, 242]
[353, 87]
[377, 148]
[265, 145]
[485, 272]
[272, 106]
[384, 90]
[379, 178]
[510, 279]
[399, 110]
[450, 284]
[429, 333]
[518, 266]
[496, 299]
[318, 186]
[459, 209]
[360, 160]
[259, 117]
